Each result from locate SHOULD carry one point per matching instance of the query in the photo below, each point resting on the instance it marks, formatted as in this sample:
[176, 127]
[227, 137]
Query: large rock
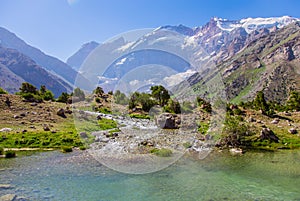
[8, 197]
[293, 131]
[61, 113]
[5, 129]
[268, 134]
[168, 121]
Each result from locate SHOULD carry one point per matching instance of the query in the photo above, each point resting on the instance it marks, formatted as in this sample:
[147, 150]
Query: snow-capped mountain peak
[252, 24]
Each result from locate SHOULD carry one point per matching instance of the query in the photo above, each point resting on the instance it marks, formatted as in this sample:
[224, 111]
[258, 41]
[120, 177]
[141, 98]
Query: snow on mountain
[252, 24]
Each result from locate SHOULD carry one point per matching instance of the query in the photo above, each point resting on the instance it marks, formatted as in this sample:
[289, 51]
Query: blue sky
[60, 27]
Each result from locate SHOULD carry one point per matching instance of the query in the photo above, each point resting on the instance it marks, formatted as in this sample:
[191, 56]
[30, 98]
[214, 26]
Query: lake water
[220, 176]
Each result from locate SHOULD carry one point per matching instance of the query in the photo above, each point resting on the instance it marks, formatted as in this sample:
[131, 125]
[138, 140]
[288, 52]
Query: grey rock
[61, 113]
[275, 121]
[268, 134]
[293, 131]
[83, 135]
[8, 197]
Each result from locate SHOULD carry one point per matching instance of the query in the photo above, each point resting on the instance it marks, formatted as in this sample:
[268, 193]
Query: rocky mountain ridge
[16, 68]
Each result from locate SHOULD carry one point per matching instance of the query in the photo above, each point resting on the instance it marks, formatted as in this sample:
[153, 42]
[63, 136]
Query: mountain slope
[270, 63]
[52, 64]
[18, 68]
[78, 57]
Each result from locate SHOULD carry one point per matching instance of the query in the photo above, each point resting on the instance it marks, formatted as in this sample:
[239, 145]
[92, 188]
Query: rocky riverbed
[132, 144]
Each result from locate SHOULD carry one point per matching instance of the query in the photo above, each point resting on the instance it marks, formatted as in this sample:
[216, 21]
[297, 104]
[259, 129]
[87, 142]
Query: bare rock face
[268, 134]
[168, 121]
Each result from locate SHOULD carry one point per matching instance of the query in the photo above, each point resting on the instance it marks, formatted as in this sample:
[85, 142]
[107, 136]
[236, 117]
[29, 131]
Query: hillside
[52, 64]
[17, 68]
[269, 62]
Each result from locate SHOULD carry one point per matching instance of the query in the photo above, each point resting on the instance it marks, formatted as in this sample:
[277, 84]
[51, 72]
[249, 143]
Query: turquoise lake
[220, 176]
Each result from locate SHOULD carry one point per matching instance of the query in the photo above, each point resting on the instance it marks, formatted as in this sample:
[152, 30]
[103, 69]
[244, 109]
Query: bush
[48, 95]
[82, 147]
[139, 116]
[2, 91]
[104, 110]
[163, 152]
[173, 107]
[63, 98]
[79, 94]
[1, 150]
[66, 149]
[236, 131]
[10, 154]
[106, 124]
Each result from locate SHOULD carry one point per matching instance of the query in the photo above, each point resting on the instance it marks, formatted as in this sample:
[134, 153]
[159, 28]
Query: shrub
[2, 91]
[48, 95]
[82, 147]
[139, 116]
[79, 94]
[104, 110]
[173, 107]
[63, 98]
[66, 149]
[106, 124]
[1, 150]
[10, 154]
[98, 100]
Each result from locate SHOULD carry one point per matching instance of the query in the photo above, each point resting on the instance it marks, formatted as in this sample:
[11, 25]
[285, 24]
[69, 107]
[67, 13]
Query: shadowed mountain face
[16, 68]
[52, 64]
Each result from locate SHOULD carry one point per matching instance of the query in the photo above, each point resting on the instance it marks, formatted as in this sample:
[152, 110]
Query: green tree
[43, 89]
[48, 95]
[146, 101]
[98, 91]
[205, 105]
[28, 88]
[160, 94]
[293, 102]
[79, 94]
[134, 100]
[260, 103]
[63, 98]
[120, 98]
[173, 107]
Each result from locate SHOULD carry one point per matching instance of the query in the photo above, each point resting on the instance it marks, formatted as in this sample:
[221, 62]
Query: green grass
[203, 127]
[163, 152]
[106, 124]
[139, 116]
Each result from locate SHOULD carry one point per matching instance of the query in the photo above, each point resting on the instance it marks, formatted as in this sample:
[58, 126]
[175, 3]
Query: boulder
[34, 104]
[168, 121]
[5, 186]
[293, 131]
[268, 134]
[83, 135]
[8, 197]
[5, 129]
[61, 113]
[275, 121]
[46, 127]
